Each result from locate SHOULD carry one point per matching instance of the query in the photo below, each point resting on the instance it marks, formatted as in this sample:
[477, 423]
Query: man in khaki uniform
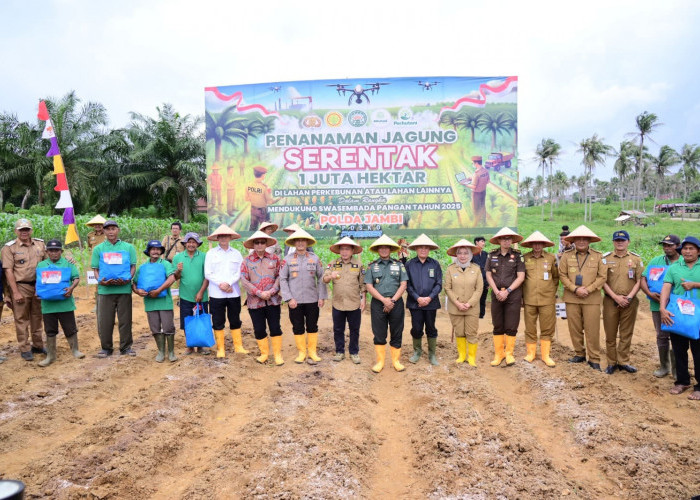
[620, 303]
[19, 260]
[173, 242]
[582, 272]
[258, 194]
[540, 296]
[480, 181]
[349, 296]
[97, 235]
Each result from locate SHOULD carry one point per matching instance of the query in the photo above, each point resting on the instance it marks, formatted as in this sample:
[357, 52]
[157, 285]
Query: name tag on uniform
[394, 267]
[431, 273]
[630, 274]
[546, 276]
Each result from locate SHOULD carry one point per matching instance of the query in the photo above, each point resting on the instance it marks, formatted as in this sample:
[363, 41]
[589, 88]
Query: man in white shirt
[222, 267]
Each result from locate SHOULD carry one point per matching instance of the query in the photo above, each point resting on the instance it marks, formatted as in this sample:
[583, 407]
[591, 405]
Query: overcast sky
[583, 67]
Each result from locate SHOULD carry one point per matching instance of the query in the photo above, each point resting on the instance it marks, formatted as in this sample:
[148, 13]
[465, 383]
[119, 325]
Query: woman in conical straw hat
[582, 272]
[260, 276]
[540, 296]
[463, 286]
[222, 267]
[505, 272]
[305, 292]
[424, 286]
[347, 274]
[386, 280]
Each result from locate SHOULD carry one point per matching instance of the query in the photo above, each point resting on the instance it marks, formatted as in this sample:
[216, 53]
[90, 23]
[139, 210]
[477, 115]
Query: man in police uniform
[583, 273]
[349, 295]
[478, 185]
[230, 190]
[386, 280]
[258, 194]
[97, 235]
[19, 260]
[215, 180]
[620, 303]
[540, 296]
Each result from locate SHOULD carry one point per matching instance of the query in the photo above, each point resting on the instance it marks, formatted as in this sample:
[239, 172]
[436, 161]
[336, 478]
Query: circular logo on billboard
[405, 114]
[334, 119]
[311, 121]
[357, 118]
[381, 118]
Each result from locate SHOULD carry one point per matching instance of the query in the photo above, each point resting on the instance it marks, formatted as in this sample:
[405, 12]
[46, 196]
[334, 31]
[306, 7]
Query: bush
[10, 208]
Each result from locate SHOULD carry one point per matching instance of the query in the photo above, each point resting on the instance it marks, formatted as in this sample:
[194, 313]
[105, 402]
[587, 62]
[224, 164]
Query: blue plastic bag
[655, 278]
[52, 281]
[198, 329]
[115, 265]
[151, 277]
[686, 316]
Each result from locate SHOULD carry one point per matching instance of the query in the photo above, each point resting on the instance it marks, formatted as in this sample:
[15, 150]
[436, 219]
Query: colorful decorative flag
[65, 201]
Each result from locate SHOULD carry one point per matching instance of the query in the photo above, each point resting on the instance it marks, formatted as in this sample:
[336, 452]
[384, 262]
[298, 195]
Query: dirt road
[204, 428]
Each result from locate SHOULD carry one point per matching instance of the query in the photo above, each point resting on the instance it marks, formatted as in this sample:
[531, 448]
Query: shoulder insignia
[594, 250]
[635, 254]
[569, 250]
[38, 239]
[606, 254]
[10, 243]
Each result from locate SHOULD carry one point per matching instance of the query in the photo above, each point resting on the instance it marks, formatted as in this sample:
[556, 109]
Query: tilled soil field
[204, 428]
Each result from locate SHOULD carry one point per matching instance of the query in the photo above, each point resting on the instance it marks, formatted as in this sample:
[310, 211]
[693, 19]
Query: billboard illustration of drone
[363, 157]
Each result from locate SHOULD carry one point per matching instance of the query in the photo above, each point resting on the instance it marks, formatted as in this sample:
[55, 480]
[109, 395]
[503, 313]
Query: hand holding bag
[198, 329]
[686, 316]
[51, 282]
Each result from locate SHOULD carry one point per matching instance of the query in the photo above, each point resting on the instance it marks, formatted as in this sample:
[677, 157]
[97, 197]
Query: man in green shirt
[58, 311]
[158, 305]
[114, 294]
[684, 276]
[655, 267]
[189, 269]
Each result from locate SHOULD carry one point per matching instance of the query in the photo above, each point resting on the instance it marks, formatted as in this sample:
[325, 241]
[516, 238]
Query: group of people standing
[212, 282]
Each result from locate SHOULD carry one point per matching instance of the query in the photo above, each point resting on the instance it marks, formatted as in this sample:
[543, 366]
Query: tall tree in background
[542, 153]
[624, 165]
[594, 152]
[690, 164]
[662, 164]
[646, 124]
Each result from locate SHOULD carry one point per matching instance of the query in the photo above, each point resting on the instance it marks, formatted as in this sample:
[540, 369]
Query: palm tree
[646, 124]
[450, 119]
[690, 161]
[512, 124]
[223, 127]
[594, 151]
[624, 163]
[554, 151]
[560, 185]
[167, 158]
[661, 164]
[469, 119]
[525, 187]
[542, 153]
[495, 123]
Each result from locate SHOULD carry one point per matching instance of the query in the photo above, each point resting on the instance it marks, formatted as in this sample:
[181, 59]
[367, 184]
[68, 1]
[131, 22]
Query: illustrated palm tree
[166, 157]
[662, 164]
[690, 161]
[512, 125]
[469, 120]
[224, 127]
[594, 152]
[496, 123]
[250, 128]
[646, 124]
[624, 164]
[450, 119]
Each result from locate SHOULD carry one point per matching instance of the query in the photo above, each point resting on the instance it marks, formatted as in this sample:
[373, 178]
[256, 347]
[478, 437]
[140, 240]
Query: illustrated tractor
[497, 160]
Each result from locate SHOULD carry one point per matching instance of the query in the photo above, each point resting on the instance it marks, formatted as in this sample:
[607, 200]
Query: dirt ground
[204, 428]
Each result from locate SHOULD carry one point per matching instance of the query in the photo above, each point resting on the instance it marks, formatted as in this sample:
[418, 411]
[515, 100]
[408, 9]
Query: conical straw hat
[423, 241]
[536, 237]
[98, 219]
[452, 251]
[300, 234]
[292, 228]
[259, 235]
[223, 229]
[265, 225]
[384, 240]
[356, 248]
[581, 231]
[506, 231]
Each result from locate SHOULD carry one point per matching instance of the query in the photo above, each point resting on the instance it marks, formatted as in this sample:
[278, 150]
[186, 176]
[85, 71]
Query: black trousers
[482, 300]
[304, 313]
[506, 315]
[680, 351]
[421, 318]
[67, 321]
[353, 319]
[266, 316]
[187, 309]
[221, 308]
[392, 320]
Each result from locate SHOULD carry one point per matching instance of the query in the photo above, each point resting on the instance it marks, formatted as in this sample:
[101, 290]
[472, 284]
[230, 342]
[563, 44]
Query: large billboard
[365, 156]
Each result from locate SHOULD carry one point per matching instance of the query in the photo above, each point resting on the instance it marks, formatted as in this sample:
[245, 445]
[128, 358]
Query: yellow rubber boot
[510, 347]
[312, 344]
[238, 341]
[264, 346]
[499, 342]
[545, 348]
[220, 343]
[471, 354]
[300, 341]
[395, 355]
[277, 349]
[531, 352]
[461, 349]
[381, 357]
